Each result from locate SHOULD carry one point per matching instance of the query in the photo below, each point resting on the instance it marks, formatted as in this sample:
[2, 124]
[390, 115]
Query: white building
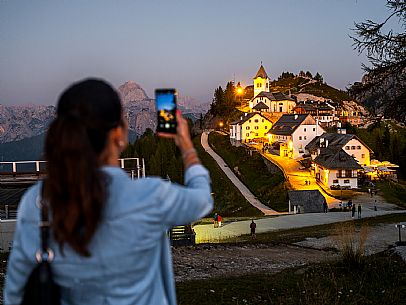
[274, 101]
[293, 132]
[337, 158]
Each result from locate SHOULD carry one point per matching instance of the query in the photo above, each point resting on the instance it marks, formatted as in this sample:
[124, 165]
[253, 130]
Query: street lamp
[239, 91]
[400, 242]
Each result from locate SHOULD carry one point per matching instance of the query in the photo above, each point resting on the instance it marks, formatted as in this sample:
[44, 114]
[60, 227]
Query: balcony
[346, 175]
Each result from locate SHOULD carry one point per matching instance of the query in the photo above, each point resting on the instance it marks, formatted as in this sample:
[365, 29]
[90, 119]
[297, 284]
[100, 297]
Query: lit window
[352, 147]
[363, 156]
[256, 121]
[346, 181]
[335, 181]
[248, 134]
[347, 148]
[256, 135]
[358, 147]
[248, 128]
[256, 127]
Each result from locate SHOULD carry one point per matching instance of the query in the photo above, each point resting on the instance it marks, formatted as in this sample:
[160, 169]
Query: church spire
[261, 72]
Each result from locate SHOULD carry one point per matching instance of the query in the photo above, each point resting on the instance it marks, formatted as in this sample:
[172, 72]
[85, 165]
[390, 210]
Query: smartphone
[166, 108]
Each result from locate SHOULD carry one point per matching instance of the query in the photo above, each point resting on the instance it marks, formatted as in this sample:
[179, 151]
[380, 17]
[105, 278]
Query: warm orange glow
[239, 90]
[221, 124]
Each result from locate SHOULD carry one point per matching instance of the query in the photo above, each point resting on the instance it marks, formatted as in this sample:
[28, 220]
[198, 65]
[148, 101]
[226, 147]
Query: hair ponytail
[75, 186]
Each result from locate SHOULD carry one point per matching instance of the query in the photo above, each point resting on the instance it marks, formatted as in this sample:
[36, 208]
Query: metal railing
[136, 168]
[347, 175]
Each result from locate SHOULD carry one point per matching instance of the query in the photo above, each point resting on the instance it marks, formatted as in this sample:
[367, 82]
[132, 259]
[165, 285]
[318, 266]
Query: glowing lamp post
[400, 242]
[221, 124]
[240, 92]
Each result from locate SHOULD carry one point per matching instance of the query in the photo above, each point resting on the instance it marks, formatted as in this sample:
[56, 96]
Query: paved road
[297, 176]
[233, 178]
[207, 233]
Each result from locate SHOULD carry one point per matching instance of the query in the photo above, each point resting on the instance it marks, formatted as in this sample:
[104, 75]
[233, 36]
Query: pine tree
[385, 47]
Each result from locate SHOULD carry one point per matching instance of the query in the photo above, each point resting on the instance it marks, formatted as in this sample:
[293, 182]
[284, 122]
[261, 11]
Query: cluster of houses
[298, 131]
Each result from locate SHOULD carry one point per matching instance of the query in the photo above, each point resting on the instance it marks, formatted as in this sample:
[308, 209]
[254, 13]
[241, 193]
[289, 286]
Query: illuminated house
[253, 125]
[293, 132]
[337, 158]
[275, 102]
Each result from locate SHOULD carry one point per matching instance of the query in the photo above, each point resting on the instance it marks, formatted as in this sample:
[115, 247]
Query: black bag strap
[44, 226]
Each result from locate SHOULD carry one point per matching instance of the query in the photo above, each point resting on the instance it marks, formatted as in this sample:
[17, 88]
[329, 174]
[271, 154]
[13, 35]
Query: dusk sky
[190, 45]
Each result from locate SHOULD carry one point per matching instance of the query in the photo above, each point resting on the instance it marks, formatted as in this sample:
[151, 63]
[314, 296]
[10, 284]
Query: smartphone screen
[166, 108]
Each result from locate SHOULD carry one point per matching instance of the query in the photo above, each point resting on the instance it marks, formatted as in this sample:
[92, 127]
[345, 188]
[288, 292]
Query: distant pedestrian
[372, 192]
[219, 220]
[369, 191]
[349, 204]
[353, 211]
[215, 220]
[359, 211]
[325, 206]
[298, 209]
[375, 209]
[253, 226]
[376, 192]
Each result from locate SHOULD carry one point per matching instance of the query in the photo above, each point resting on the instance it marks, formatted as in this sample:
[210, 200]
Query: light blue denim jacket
[131, 259]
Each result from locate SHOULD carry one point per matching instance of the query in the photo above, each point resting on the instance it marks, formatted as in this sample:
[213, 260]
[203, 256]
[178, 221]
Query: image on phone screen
[166, 108]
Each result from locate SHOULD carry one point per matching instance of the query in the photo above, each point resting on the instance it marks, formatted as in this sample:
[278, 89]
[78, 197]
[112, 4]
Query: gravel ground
[207, 261]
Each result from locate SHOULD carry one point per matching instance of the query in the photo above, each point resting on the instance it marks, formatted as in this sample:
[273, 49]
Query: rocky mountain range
[20, 122]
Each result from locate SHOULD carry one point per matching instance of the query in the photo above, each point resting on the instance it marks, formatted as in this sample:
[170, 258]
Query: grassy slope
[393, 192]
[228, 201]
[298, 85]
[268, 187]
[380, 280]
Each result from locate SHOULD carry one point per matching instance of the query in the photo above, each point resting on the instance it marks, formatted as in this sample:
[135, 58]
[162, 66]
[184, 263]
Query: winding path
[237, 182]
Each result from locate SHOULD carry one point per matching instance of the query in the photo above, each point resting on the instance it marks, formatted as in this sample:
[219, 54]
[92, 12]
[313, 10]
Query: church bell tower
[261, 81]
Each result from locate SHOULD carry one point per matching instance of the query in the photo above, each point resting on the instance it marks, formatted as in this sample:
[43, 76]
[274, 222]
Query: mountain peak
[130, 91]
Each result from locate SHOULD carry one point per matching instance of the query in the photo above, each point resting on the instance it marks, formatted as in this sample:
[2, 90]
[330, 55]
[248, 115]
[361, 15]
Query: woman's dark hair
[75, 187]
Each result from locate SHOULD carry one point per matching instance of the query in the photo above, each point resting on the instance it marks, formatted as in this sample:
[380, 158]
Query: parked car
[335, 187]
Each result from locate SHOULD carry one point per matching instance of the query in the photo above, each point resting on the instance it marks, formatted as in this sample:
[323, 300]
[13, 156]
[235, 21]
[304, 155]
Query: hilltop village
[310, 131]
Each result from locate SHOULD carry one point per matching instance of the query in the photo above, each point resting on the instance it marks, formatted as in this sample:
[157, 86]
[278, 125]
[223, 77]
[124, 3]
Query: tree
[385, 79]
[318, 77]
[308, 74]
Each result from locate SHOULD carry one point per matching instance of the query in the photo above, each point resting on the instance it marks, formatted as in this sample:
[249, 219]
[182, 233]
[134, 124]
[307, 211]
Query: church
[267, 101]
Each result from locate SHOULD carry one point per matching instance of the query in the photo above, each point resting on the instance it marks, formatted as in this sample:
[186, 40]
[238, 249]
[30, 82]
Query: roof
[333, 140]
[287, 124]
[306, 107]
[274, 96]
[333, 157]
[248, 116]
[261, 73]
[260, 105]
[310, 200]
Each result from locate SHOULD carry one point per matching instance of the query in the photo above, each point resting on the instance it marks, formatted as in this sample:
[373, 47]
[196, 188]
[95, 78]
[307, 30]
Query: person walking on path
[253, 226]
[359, 211]
[215, 220]
[103, 224]
[325, 206]
[219, 220]
[353, 210]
